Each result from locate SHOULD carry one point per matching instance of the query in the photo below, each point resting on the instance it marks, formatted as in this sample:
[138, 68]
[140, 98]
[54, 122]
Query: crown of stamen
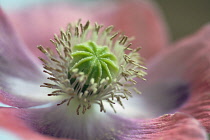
[90, 66]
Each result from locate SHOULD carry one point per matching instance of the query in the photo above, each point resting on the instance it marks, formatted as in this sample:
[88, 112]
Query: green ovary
[95, 61]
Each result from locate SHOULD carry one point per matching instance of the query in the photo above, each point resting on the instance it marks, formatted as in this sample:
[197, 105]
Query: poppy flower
[175, 98]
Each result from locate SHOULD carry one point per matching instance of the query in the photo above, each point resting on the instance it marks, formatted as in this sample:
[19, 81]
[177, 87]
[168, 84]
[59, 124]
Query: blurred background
[182, 16]
[185, 16]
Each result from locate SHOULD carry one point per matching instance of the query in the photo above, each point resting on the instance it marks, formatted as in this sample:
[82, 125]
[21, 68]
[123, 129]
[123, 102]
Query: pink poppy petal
[138, 18]
[17, 127]
[37, 24]
[199, 102]
[176, 72]
[199, 106]
[176, 126]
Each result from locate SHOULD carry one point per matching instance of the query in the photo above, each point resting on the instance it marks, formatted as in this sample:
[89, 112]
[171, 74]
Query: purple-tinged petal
[20, 72]
[19, 101]
[141, 19]
[15, 59]
[62, 122]
[176, 72]
[14, 125]
[176, 126]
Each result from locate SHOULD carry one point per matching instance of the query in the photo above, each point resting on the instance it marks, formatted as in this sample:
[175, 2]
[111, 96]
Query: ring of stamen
[90, 66]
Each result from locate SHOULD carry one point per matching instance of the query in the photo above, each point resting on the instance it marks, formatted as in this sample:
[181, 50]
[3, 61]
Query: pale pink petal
[176, 72]
[38, 24]
[11, 123]
[141, 19]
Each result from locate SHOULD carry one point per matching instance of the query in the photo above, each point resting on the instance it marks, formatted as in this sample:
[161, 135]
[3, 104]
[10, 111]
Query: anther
[87, 25]
[113, 36]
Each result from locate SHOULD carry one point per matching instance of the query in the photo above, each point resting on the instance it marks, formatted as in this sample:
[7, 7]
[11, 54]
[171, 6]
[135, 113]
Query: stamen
[113, 36]
[91, 67]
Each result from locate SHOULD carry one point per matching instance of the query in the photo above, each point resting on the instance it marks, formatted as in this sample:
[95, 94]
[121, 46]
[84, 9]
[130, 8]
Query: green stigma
[90, 66]
[95, 61]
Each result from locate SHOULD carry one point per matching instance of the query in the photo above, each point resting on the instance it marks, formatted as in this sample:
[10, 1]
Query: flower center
[90, 66]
